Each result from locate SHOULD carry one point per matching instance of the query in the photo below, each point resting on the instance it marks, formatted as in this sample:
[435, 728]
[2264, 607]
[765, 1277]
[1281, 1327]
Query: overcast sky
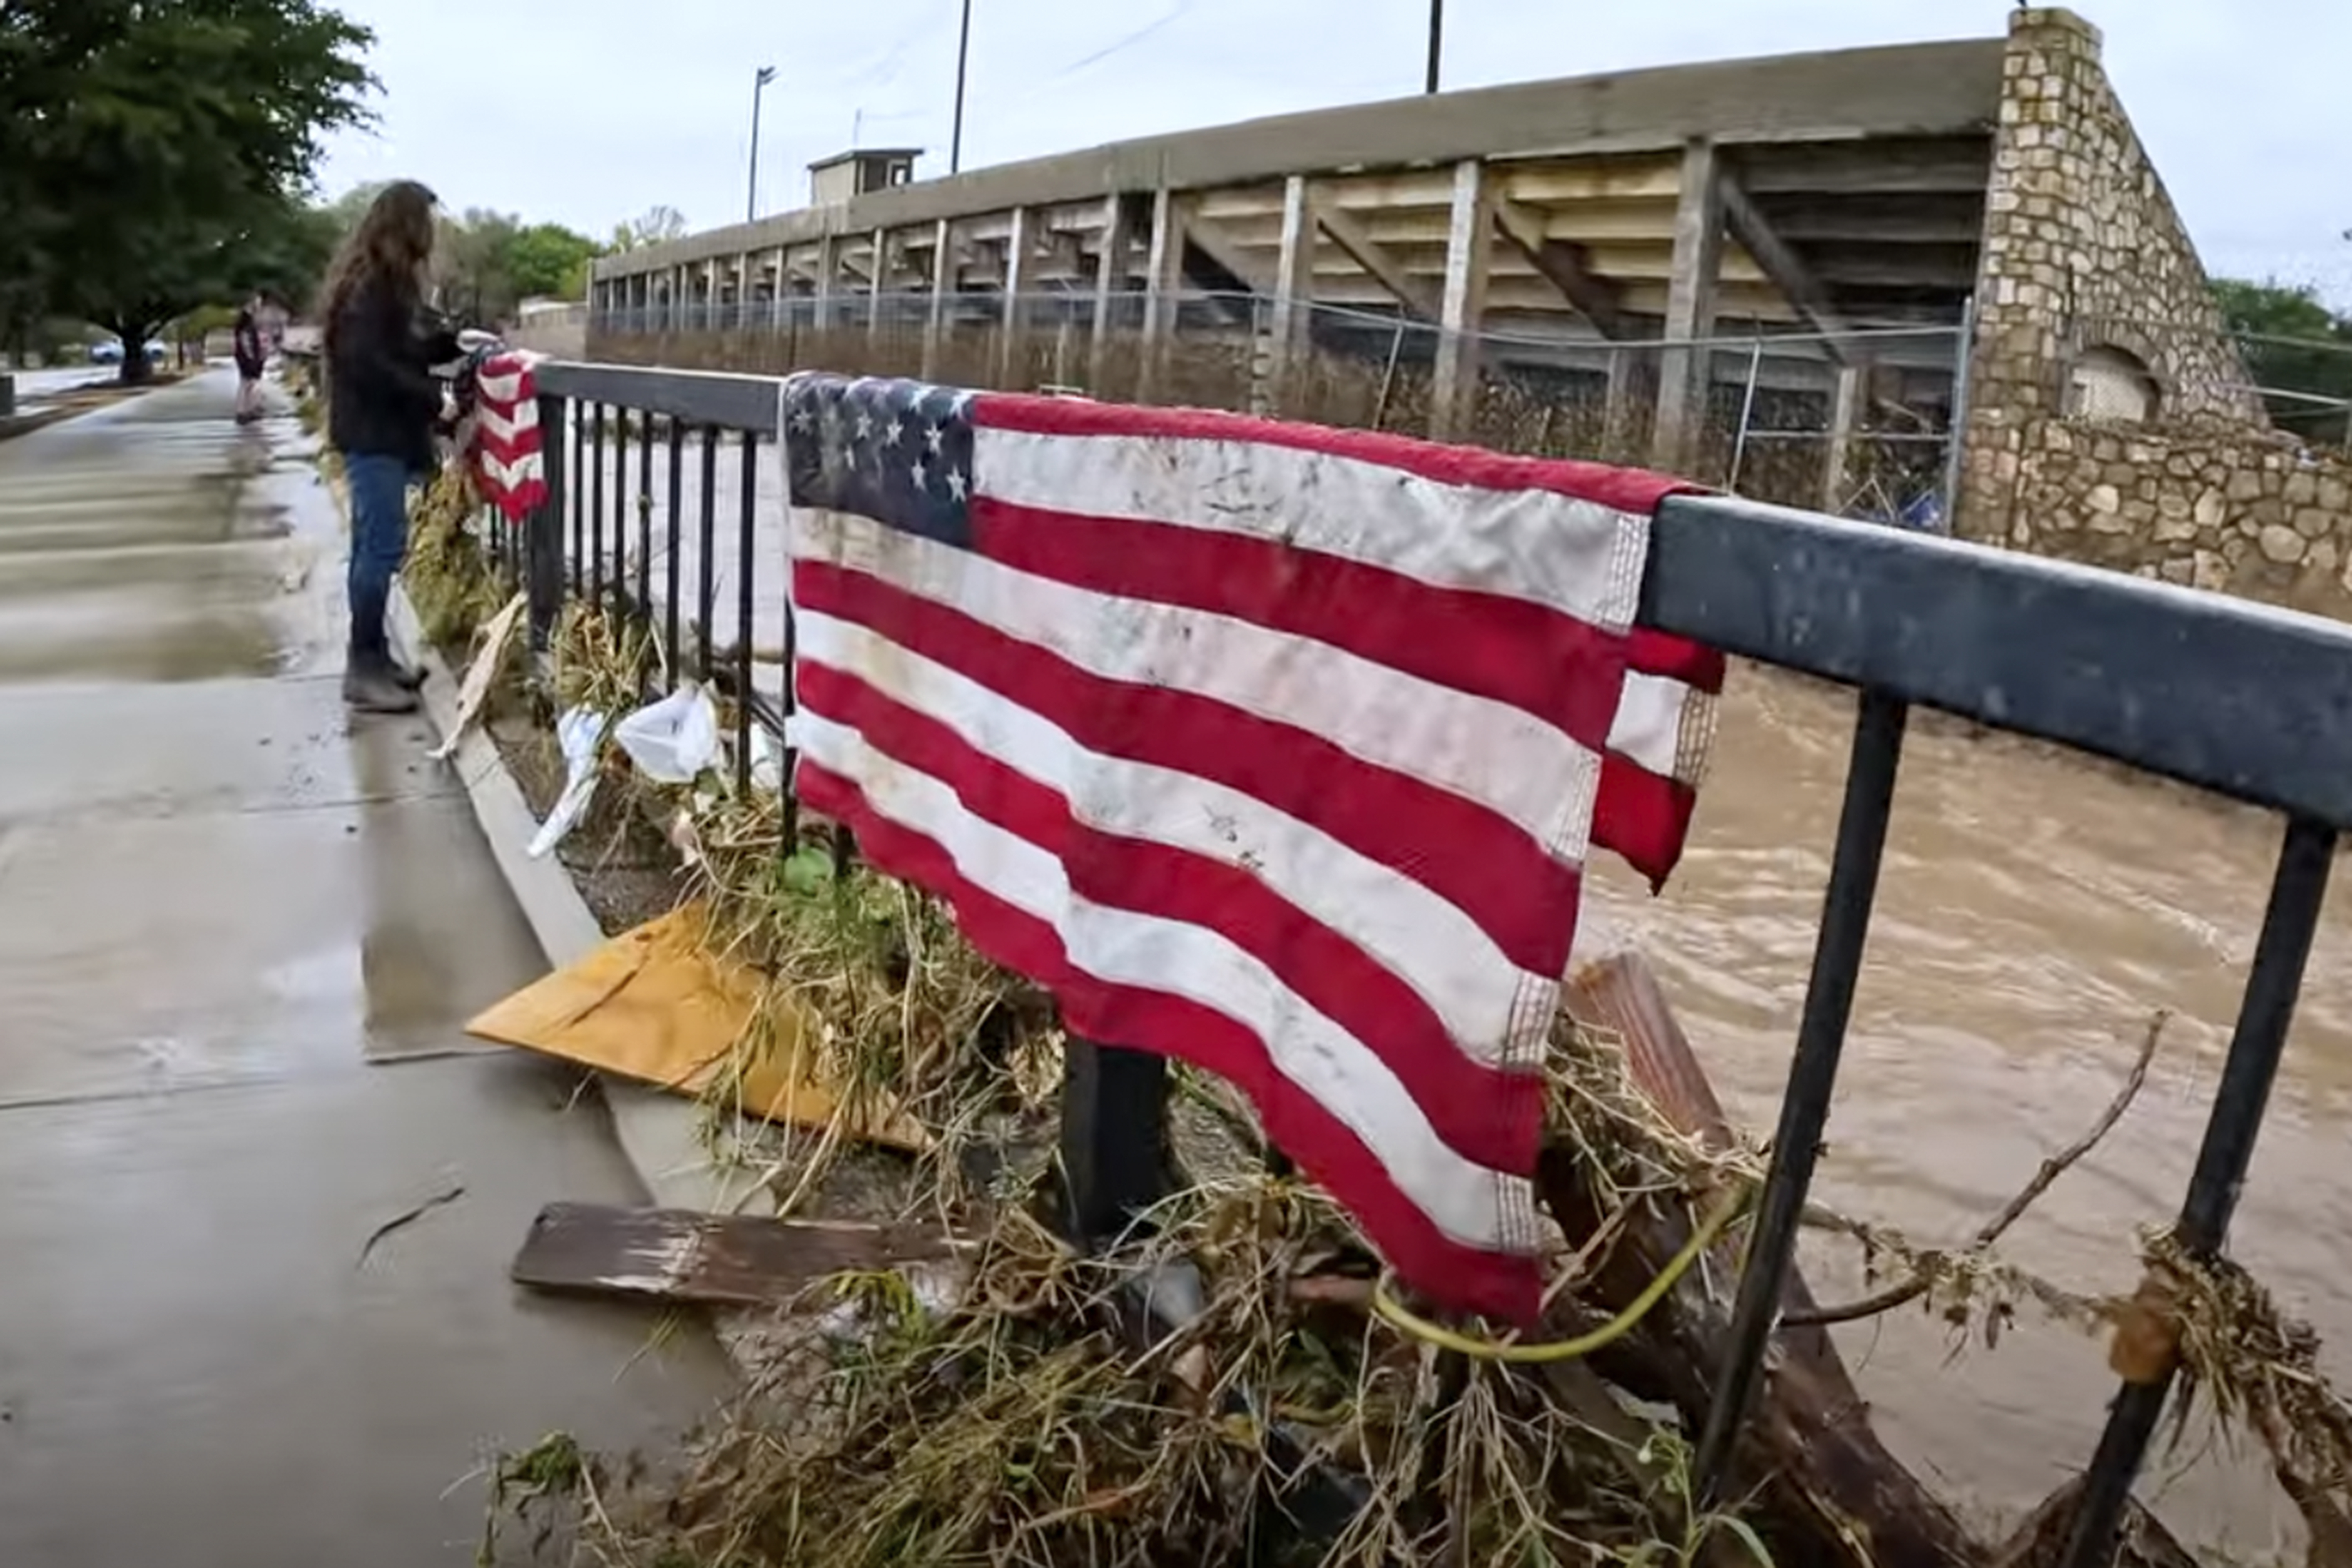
[604, 107]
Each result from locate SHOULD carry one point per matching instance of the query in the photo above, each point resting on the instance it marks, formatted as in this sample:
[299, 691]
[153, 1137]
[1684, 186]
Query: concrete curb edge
[660, 1133]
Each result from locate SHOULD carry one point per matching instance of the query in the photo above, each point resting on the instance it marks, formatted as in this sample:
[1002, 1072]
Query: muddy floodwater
[2035, 910]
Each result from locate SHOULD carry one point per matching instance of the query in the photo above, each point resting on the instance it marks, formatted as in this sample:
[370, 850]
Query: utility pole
[759, 87]
[1437, 41]
[964, 60]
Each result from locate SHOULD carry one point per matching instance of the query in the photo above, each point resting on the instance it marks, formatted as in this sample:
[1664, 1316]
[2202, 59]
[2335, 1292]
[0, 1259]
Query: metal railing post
[543, 529]
[1113, 1137]
[1812, 1075]
[2298, 889]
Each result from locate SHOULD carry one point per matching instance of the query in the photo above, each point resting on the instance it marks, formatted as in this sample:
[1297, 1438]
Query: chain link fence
[1766, 427]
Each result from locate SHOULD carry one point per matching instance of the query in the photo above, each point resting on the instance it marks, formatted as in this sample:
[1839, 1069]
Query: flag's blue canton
[897, 451]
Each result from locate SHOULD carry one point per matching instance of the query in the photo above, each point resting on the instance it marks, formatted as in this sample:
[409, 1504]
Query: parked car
[109, 351]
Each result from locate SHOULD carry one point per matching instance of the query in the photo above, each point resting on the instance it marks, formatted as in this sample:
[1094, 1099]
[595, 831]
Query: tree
[156, 150]
[2292, 344]
[547, 258]
[655, 226]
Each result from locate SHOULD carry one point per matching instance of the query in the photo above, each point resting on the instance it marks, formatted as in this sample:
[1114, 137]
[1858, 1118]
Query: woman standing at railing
[382, 401]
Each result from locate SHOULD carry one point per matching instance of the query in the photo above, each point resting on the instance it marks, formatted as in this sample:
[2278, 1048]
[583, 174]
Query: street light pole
[964, 60]
[759, 87]
[1437, 41]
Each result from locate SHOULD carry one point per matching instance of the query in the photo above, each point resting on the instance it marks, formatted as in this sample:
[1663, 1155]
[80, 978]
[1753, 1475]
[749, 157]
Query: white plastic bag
[675, 739]
[767, 762]
[579, 733]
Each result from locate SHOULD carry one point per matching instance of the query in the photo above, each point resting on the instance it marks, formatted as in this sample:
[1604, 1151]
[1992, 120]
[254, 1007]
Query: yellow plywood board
[654, 1005]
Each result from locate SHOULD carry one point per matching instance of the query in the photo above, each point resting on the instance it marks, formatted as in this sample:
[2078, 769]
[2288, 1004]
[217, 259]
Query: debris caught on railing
[482, 674]
[672, 741]
[579, 735]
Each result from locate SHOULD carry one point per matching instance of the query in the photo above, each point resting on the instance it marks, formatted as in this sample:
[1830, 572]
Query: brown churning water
[2035, 909]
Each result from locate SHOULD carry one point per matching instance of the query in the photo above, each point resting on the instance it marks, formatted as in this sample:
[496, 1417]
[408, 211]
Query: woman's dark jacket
[382, 396]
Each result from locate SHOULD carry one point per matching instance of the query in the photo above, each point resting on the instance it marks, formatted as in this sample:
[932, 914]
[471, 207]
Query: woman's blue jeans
[379, 542]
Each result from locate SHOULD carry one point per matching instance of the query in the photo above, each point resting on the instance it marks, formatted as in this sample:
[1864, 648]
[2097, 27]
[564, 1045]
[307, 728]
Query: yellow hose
[1614, 1329]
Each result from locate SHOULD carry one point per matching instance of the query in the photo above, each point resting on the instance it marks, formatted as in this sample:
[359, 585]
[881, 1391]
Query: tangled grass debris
[1028, 1424]
[447, 575]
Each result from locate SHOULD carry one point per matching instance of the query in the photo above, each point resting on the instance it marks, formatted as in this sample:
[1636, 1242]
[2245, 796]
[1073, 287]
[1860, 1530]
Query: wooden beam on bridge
[1110, 286]
[1164, 286]
[1018, 242]
[1784, 267]
[879, 279]
[943, 283]
[1561, 265]
[1294, 285]
[1348, 233]
[1453, 385]
[828, 268]
[1690, 306]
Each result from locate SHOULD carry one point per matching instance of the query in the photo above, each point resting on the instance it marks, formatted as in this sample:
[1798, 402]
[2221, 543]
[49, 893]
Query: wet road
[2035, 910]
[238, 935]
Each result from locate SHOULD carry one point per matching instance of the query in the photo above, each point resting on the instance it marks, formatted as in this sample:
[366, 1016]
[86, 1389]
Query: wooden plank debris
[685, 1255]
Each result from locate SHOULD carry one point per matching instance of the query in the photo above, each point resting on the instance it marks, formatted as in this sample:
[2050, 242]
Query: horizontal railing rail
[2250, 702]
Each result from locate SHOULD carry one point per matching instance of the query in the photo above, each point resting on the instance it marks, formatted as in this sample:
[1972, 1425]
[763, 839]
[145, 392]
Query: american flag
[508, 464]
[1277, 749]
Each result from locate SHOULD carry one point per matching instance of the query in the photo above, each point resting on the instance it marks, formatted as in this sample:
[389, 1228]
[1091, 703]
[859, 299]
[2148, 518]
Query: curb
[659, 1133]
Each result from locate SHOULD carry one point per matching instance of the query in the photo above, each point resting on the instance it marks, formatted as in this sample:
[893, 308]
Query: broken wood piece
[657, 1005]
[2040, 1541]
[1828, 1486]
[689, 1256]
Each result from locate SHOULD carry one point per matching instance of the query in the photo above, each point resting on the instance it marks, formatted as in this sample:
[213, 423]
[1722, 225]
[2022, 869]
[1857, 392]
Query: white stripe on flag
[508, 422]
[1492, 753]
[1471, 1203]
[1442, 953]
[1648, 728]
[513, 476]
[1575, 556]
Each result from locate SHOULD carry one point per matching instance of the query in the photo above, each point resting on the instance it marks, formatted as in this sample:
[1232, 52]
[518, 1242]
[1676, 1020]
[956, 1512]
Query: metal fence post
[2298, 889]
[1812, 1075]
[1114, 1137]
[543, 536]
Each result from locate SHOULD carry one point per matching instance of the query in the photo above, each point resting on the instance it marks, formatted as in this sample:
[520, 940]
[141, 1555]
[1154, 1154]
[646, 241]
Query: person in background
[381, 402]
[250, 344]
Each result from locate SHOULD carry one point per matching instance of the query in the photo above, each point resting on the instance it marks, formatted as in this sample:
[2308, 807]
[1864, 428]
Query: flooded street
[2035, 911]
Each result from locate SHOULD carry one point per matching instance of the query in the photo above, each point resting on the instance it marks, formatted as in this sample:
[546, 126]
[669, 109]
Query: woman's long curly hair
[390, 246]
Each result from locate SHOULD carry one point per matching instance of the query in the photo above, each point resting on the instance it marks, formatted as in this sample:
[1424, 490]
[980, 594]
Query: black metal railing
[2246, 702]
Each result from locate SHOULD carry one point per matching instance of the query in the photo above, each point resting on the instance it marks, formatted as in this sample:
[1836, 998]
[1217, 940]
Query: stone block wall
[2083, 249]
[2206, 503]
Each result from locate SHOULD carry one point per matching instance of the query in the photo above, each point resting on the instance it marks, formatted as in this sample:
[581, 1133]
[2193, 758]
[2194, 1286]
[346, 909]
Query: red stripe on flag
[492, 444]
[1525, 899]
[1462, 1278]
[1675, 659]
[1623, 489]
[1511, 650]
[1643, 817]
[1489, 1115]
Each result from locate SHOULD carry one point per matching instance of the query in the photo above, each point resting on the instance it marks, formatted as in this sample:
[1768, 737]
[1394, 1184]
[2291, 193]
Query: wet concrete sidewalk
[238, 934]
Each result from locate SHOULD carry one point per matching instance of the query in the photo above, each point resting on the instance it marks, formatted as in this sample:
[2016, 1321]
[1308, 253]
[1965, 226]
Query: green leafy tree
[156, 152]
[2292, 342]
[546, 258]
